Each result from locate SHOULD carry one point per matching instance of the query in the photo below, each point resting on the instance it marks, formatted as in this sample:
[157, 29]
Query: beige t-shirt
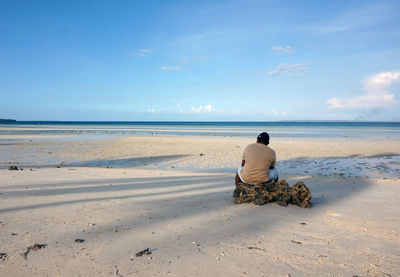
[259, 158]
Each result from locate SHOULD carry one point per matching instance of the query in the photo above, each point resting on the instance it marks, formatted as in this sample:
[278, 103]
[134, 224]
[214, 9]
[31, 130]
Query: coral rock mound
[272, 191]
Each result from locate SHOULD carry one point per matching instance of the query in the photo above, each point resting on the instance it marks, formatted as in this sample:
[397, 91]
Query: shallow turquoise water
[384, 130]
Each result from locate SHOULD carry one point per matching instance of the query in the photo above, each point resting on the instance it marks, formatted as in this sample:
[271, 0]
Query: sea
[300, 129]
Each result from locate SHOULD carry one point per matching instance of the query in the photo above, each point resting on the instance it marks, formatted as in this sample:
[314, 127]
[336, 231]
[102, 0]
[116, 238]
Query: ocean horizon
[306, 129]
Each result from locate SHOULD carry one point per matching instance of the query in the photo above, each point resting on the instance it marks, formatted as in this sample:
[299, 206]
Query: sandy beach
[173, 195]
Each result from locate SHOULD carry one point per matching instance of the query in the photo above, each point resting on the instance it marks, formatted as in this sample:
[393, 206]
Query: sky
[239, 60]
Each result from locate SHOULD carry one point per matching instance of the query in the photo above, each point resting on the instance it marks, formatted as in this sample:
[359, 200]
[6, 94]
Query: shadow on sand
[324, 191]
[117, 163]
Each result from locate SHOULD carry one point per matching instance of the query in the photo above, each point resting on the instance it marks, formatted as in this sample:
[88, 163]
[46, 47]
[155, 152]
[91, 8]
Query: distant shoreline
[315, 129]
[96, 122]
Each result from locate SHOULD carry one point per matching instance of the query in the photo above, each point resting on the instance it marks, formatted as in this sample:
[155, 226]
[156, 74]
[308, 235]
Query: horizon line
[200, 121]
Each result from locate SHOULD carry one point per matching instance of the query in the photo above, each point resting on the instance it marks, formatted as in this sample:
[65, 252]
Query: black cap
[263, 137]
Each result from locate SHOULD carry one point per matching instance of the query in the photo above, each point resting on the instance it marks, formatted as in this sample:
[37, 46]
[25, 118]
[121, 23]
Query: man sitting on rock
[258, 163]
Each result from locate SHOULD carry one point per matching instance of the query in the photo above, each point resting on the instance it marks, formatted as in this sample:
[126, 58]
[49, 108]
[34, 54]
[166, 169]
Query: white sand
[170, 199]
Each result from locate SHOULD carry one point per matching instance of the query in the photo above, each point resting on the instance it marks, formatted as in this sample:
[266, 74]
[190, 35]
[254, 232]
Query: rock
[79, 240]
[3, 256]
[301, 195]
[297, 242]
[34, 247]
[197, 245]
[12, 167]
[143, 252]
[257, 248]
[272, 191]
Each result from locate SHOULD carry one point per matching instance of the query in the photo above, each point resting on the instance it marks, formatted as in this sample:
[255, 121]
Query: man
[258, 163]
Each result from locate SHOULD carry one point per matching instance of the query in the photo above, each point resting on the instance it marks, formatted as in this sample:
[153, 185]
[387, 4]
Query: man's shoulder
[252, 146]
[271, 150]
[259, 147]
[263, 148]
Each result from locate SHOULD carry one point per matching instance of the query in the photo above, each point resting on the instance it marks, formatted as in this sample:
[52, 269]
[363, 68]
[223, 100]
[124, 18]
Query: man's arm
[243, 162]
[272, 165]
[273, 162]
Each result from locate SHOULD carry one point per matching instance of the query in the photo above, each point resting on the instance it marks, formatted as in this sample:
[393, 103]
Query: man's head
[263, 138]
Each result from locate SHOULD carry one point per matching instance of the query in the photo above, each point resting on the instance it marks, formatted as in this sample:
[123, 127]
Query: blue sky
[245, 60]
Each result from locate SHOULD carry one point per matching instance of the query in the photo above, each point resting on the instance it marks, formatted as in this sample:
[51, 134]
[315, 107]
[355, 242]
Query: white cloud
[278, 113]
[206, 109]
[294, 69]
[152, 110]
[281, 50]
[143, 52]
[172, 68]
[381, 81]
[198, 109]
[234, 112]
[376, 93]
[272, 111]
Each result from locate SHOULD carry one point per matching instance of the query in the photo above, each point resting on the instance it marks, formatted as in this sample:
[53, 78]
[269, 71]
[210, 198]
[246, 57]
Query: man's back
[259, 158]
